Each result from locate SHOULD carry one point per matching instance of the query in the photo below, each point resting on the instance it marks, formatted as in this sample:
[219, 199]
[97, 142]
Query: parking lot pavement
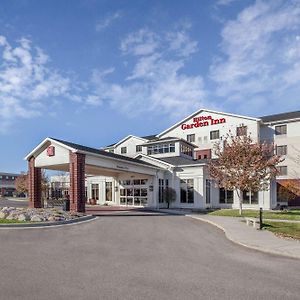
[147, 256]
[13, 202]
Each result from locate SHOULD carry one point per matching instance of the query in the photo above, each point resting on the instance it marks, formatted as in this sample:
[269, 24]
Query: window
[144, 181]
[281, 150]
[214, 134]
[162, 184]
[95, 191]
[125, 182]
[241, 130]
[185, 149]
[108, 191]
[207, 191]
[190, 138]
[226, 196]
[187, 190]
[138, 148]
[172, 147]
[161, 148]
[282, 170]
[280, 129]
[111, 151]
[250, 197]
[124, 150]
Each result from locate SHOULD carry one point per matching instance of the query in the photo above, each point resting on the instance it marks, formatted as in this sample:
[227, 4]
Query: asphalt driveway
[13, 202]
[139, 256]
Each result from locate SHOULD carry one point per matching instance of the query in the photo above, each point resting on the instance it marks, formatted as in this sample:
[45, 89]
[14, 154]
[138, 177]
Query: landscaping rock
[36, 219]
[22, 217]
[3, 214]
[11, 216]
[37, 214]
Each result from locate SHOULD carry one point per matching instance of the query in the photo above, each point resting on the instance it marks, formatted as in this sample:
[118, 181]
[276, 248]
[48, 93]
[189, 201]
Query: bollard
[260, 218]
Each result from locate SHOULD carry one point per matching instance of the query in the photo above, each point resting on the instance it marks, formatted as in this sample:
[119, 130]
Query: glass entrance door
[134, 192]
[108, 191]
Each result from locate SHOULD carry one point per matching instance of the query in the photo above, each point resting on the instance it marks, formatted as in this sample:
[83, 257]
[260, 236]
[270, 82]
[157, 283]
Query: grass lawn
[4, 221]
[284, 229]
[293, 215]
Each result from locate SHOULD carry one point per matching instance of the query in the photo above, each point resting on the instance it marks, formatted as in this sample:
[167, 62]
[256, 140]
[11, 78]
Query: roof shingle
[281, 117]
[101, 152]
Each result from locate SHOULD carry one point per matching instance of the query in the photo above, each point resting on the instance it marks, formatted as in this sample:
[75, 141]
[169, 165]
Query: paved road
[133, 256]
[13, 203]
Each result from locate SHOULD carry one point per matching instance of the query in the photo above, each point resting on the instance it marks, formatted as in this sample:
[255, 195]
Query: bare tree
[21, 184]
[169, 195]
[289, 189]
[242, 165]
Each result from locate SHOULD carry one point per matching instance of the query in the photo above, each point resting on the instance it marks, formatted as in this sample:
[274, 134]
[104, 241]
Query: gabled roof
[209, 111]
[149, 137]
[182, 161]
[281, 117]
[80, 148]
[144, 138]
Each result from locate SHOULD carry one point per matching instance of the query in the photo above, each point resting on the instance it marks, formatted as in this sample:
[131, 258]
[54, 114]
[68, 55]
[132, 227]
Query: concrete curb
[40, 225]
[242, 244]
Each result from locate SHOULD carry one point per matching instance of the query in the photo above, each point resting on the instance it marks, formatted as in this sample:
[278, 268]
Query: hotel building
[135, 170]
[7, 184]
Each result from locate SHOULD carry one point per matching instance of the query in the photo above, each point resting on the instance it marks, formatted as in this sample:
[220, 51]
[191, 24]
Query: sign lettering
[203, 121]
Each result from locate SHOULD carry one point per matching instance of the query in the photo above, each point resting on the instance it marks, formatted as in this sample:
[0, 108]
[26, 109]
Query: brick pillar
[35, 187]
[77, 182]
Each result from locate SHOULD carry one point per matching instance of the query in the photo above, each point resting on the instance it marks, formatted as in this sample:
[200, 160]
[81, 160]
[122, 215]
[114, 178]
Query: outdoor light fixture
[116, 188]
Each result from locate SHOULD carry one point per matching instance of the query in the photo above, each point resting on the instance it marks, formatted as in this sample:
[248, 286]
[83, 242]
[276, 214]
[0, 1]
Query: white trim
[209, 111]
[281, 121]
[154, 159]
[123, 140]
[84, 152]
[114, 158]
[45, 141]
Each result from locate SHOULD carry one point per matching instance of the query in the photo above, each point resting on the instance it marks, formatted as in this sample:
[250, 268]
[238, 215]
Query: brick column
[77, 182]
[35, 187]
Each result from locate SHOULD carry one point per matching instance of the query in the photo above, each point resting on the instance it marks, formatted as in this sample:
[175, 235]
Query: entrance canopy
[54, 154]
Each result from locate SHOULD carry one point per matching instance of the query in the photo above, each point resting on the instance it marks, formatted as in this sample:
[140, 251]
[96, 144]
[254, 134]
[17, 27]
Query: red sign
[51, 151]
[203, 121]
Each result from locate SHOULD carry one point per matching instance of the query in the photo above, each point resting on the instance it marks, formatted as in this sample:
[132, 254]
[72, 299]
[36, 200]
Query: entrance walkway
[101, 209]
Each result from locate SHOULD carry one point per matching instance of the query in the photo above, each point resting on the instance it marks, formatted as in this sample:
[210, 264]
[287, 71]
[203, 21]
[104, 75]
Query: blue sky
[93, 71]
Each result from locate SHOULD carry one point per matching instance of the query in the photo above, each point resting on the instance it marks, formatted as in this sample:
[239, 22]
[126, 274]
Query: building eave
[209, 111]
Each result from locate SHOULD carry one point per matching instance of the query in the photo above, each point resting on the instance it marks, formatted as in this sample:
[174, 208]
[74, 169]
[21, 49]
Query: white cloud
[224, 2]
[142, 42]
[260, 53]
[156, 83]
[26, 82]
[108, 20]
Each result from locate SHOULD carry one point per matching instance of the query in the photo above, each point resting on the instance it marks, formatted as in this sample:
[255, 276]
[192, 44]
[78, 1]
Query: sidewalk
[239, 233]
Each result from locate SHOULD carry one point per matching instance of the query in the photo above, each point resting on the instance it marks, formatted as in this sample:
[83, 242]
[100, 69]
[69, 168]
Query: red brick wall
[200, 154]
[77, 182]
[34, 182]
